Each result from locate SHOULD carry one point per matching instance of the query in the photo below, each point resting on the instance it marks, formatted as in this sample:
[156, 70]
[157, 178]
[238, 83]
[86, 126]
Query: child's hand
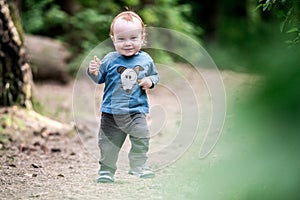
[94, 66]
[145, 83]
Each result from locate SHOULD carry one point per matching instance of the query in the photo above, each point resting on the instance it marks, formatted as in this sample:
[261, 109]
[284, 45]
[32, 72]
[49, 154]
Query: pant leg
[139, 137]
[110, 141]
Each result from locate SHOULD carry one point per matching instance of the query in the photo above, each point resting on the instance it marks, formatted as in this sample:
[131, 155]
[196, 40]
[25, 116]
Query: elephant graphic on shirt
[129, 76]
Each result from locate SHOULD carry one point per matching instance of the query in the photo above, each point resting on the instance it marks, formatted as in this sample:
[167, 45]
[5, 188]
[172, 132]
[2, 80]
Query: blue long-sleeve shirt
[122, 93]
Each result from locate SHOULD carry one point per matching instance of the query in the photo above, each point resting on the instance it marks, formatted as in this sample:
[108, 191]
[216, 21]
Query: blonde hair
[128, 16]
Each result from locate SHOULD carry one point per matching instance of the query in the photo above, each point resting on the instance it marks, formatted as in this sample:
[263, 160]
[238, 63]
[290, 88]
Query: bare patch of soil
[43, 163]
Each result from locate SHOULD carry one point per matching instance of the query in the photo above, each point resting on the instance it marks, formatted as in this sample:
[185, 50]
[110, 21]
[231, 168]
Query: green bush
[90, 25]
[39, 17]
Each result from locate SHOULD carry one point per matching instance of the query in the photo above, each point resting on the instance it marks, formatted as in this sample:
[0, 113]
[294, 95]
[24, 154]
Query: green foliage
[242, 49]
[55, 17]
[89, 21]
[174, 16]
[89, 28]
[90, 25]
[257, 155]
[40, 16]
[241, 42]
[267, 5]
[238, 33]
[7, 120]
[131, 3]
[38, 106]
[288, 12]
[4, 138]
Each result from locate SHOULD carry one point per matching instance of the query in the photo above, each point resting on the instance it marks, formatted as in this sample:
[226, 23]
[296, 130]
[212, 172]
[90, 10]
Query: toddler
[127, 73]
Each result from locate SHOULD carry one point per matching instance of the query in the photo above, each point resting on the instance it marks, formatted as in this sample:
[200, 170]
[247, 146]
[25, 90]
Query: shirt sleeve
[153, 74]
[93, 77]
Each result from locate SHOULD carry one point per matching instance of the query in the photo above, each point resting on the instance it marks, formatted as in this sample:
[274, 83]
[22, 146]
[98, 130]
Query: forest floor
[63, 164]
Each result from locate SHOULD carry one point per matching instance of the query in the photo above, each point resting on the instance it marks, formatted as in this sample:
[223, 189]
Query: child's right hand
[94, 66]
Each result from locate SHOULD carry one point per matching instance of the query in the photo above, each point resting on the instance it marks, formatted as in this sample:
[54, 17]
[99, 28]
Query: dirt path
[64, 166]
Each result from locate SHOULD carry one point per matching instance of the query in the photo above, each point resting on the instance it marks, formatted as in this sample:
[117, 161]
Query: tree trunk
[209, 15]
[15, 73]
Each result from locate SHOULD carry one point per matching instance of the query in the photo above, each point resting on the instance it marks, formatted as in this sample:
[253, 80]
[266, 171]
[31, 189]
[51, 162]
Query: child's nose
[127, 42]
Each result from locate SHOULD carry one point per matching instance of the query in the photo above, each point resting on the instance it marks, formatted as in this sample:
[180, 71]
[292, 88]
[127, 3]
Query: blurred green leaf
[295, 29]
[131, 2]
[54, 17]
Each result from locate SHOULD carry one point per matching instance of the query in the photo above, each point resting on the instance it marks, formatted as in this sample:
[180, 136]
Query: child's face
[128, 37]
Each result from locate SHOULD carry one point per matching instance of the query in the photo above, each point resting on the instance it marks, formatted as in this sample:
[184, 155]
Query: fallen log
[48, 59]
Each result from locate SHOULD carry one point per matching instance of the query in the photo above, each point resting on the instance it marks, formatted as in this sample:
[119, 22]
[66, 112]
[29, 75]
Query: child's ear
[143, 35]
[112, 38]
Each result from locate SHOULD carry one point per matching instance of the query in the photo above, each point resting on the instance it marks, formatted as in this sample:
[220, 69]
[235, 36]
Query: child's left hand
[145, 83]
